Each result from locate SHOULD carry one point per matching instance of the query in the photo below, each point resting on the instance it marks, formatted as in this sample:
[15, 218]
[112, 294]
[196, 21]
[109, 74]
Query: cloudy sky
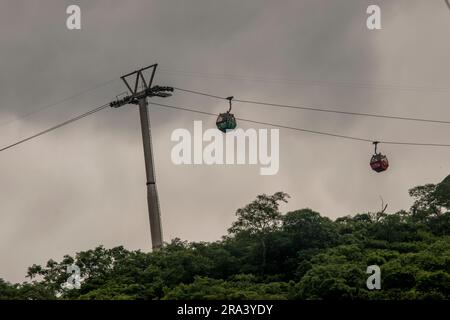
[84, 185]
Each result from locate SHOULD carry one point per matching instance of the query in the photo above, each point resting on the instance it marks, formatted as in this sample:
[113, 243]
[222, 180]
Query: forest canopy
[270, 255]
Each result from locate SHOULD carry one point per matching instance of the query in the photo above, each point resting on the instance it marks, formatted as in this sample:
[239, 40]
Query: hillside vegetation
[270, 255]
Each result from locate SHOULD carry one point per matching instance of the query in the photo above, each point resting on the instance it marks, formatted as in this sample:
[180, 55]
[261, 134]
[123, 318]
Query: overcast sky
[84, 185]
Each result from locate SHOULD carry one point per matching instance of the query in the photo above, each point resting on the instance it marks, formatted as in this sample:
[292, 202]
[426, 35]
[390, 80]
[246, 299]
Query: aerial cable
[281, 80]
[307, 130]
[84, 115]
[76, 95]
[319, 109]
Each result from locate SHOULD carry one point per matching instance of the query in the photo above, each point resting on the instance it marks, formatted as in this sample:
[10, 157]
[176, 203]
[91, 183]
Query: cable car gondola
[226, 121]
[379, 162]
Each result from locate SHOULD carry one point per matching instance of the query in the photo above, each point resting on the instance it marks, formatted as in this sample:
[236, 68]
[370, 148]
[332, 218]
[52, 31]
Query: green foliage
[259, 217]
[268, 255]
[307, 229]
[431, 199]
[241, 287]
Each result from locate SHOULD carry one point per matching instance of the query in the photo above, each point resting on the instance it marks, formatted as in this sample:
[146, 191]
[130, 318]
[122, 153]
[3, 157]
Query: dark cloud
[84, 185]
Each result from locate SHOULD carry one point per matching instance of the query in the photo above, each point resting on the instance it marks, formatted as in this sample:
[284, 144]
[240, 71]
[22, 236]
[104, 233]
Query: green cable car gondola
[226, 121]
[379, 162]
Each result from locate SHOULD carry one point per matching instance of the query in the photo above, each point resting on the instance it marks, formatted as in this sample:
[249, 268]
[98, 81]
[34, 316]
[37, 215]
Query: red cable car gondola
[379, 162]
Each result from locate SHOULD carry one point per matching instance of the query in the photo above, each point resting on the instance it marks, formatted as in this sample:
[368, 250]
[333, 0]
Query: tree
[442, 193]
[307, 229]
[431, 199]
[260, 218]
[7, 290]
[425, 201]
